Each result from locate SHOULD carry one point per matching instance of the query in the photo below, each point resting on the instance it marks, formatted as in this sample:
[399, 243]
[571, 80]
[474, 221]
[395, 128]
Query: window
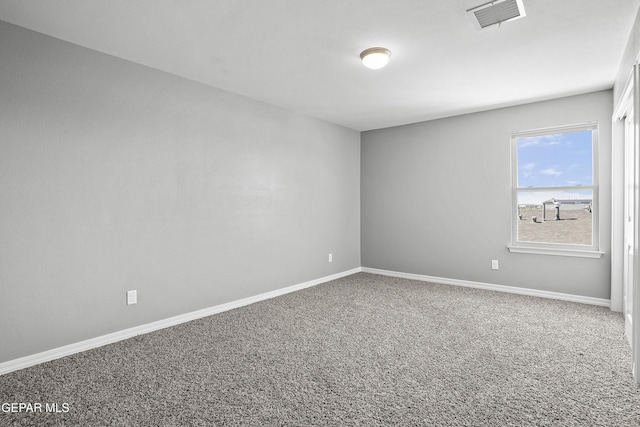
[555, 191]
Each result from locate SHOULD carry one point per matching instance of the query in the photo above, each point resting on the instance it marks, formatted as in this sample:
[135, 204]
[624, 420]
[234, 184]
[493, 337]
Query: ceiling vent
[496, 12]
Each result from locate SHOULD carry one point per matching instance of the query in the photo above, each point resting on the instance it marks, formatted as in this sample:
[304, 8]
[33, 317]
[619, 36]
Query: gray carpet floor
[363, 350]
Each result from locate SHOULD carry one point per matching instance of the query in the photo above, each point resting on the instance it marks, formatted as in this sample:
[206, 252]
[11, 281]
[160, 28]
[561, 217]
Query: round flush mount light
[375, 57]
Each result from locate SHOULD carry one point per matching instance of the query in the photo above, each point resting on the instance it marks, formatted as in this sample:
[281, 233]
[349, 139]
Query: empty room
[298, 213]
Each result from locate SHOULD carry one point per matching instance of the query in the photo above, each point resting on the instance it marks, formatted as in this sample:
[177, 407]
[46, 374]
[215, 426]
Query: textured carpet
[362, 350]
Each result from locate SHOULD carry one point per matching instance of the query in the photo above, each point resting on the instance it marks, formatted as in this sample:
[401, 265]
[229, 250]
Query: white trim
[492, 287]
[56, 353]
[635, 306]
[625, 104]
[625, 100]
[553, 251]
[555, 129]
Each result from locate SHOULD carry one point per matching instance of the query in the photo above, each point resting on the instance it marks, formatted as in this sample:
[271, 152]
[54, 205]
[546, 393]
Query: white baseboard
[492, 287]
[56, 353]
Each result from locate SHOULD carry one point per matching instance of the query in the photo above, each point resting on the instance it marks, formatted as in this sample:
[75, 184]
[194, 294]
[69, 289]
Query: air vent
[496, 12]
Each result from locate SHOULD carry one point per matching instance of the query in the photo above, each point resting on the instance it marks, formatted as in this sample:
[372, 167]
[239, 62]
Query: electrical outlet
[494, 264]
[330, 257]
[132, 297]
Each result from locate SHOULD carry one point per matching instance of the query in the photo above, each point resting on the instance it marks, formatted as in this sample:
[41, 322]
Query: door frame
[630, 101]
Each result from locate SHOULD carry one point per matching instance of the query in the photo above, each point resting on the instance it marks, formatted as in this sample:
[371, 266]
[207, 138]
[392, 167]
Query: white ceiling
[303, 54]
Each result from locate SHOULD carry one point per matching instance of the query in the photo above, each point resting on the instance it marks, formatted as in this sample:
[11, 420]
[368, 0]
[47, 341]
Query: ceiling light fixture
[375, 57]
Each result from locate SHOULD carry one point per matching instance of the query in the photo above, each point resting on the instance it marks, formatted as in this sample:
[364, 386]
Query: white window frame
[587, 251]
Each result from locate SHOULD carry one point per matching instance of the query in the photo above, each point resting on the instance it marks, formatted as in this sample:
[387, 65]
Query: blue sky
[555, 160]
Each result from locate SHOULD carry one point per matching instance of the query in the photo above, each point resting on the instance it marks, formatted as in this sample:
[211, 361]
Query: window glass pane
[563, 217]
[561, 159]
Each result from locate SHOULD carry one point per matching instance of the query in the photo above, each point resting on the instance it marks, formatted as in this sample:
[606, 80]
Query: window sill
[554, 251]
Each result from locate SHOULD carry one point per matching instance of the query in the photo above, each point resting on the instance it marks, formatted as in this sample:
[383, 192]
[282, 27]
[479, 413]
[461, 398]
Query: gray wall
[436, 198]
[114, 176]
